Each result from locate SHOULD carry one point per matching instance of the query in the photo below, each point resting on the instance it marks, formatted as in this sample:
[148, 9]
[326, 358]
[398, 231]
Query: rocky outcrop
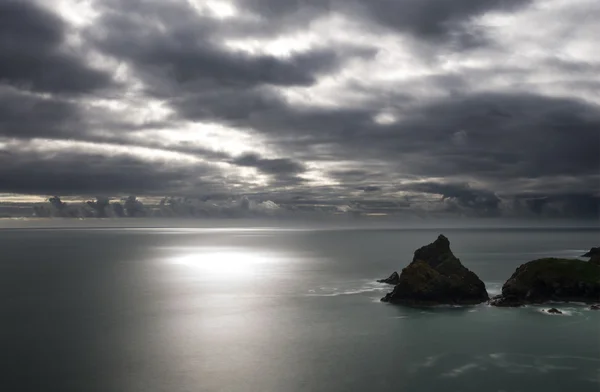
[593, 252]
[435, 277]
[394, 279]
[594, 255]
[553, 311]
[551, 279]
[595, 307]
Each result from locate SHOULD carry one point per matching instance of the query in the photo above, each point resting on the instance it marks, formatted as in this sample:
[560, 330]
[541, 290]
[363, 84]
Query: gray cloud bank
[410, 108]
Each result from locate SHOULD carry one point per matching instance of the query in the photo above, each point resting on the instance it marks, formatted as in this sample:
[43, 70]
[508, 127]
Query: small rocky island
[551, 280]
[436, 277]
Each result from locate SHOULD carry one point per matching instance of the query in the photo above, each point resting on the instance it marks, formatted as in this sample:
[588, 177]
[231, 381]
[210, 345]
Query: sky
[479, 108]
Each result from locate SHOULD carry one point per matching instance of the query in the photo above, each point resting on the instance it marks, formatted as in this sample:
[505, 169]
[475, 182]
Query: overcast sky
[467, 107]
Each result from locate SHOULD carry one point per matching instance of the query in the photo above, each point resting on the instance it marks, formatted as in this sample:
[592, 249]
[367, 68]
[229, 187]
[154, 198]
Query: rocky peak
[436, 276]
[435, 253]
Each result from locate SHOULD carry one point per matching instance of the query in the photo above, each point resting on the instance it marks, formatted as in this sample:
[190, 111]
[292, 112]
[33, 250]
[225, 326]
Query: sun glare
[224, 262]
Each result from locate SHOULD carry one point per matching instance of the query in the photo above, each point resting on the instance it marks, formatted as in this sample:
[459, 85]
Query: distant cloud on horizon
[481, 108]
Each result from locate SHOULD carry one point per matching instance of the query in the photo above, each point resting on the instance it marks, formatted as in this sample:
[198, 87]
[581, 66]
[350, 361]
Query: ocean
[275, 309]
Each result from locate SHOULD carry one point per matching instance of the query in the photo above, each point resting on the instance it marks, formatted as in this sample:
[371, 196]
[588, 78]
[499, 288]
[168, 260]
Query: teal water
[276, 310]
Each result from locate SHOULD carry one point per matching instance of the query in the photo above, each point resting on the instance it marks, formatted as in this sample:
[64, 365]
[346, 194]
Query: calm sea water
[276, 310]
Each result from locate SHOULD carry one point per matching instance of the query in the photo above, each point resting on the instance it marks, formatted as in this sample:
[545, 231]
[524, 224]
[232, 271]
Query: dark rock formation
[594, 255]
[546, 280]
[593, 252]
[435, 277]
[499, 300]
[393, 279]
[595, 307]
[553, 311]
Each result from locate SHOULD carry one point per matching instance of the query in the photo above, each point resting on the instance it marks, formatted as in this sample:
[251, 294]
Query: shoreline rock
[551, 280]
[394, 278]
[594, 255]
[436, 277]
[592, 252]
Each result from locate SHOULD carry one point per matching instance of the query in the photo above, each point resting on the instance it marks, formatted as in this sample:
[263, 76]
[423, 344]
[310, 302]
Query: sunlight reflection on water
[225, 262]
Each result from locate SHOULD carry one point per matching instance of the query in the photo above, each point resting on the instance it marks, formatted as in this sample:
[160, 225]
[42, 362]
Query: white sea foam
[565, 312]
[521, 363]
[493, 288]
[460, 370]
[350, 288]
[429, 362]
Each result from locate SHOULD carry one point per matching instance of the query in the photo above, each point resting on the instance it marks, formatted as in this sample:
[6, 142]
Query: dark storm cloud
[380, 206]
[266, 112]
[187, 54]
[577, 205]
[497, 135]
[461, 196]
[284, 171]
[32, 56]
[497, 138]
[25, 116]
[438, 21]
[370, 188]
[80, 173]
[356, 175]
[490, 135]
[370, 180]
[278, 166]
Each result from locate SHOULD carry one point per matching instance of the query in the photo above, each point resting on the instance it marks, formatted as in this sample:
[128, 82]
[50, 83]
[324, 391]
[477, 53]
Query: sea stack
[551, 280]
[594, 255]
[436, 277]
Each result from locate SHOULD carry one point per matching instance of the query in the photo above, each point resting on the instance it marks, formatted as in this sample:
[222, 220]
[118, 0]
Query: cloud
[508, 135]
[24, 116]
[438, 21]
[326, 107]
[34, 55]
[186, 56]
[100, 206]
[63, 171]
[575, 205]
[370, 188]
[461, 197]
[283, 169]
